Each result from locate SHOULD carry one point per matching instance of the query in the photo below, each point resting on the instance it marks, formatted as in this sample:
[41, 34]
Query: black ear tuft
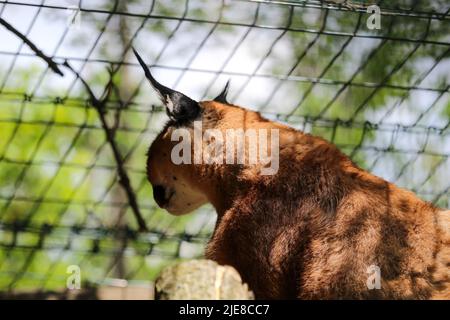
[222, 97]
[179, 107]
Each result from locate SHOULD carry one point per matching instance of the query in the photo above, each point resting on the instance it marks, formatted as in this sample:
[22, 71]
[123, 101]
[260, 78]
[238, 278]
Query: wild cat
[314, 229]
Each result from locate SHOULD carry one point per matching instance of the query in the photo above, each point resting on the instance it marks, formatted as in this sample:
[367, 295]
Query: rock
[200, 279]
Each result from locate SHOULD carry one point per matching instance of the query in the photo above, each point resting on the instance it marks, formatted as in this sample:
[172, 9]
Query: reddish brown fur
[312, 230]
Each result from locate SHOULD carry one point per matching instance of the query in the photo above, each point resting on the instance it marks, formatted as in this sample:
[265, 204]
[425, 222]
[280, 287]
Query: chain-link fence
[77, 116]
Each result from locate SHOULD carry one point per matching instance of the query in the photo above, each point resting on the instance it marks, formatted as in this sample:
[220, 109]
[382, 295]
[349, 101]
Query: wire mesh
[69, 144]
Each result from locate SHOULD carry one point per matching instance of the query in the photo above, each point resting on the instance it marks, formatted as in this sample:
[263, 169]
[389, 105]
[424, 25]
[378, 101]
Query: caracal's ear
[179, 107]
[222, 97]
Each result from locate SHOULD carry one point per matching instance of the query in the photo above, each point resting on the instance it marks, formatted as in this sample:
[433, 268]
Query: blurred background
[381, 95]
